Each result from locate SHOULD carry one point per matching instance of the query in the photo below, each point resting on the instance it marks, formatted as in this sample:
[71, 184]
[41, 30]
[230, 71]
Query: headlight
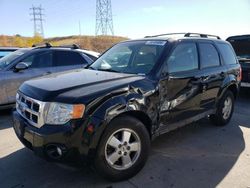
[59, 113]
[17, 96]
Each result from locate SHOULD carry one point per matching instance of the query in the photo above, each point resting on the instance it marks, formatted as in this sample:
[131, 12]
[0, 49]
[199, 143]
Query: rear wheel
[225, 110]
[123, 149]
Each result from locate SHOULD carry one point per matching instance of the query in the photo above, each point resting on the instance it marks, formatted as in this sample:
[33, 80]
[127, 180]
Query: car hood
[76, 86]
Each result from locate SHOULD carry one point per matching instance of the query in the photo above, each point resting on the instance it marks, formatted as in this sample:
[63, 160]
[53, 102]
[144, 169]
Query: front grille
[30, 109]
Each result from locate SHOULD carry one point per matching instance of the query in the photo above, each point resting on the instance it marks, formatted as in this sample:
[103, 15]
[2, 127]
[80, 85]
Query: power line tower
[37, 18]
[104, 18]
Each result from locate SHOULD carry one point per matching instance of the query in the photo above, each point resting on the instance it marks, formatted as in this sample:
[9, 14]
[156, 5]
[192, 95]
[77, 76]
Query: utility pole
[104, 18]
[37, 18]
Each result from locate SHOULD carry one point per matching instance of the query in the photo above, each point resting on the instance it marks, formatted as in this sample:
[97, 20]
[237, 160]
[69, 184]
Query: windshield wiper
[108, 70]
[88, 67]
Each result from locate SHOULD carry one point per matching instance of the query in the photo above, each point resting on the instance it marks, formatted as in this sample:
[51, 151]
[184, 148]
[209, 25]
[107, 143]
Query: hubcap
[122, 149]
[226, 111]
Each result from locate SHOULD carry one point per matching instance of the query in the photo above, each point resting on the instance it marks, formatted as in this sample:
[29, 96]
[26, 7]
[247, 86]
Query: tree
[3, 40]
[34, 40]
[19, 41]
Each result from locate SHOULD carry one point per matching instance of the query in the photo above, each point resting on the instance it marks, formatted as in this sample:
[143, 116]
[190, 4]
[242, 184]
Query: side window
[69, 58]
[39, 60]
[208, 55]
[28, 60]
[183, 58]
[227, 54]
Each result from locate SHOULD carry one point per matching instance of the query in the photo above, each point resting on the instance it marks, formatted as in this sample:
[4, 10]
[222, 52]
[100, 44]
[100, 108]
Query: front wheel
[123, 149]
[225, 110]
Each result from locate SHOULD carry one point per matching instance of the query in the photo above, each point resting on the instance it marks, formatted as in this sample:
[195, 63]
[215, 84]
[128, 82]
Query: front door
[180, 89]
[39, 64]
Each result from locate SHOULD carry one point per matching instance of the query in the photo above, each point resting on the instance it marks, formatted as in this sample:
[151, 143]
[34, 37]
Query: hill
[95, 43]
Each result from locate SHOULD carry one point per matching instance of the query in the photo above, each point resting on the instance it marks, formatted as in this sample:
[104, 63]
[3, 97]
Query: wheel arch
[234, 89]
[141, 116]
[229, 84]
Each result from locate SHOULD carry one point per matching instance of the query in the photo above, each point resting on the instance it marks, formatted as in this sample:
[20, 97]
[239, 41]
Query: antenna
[104, 18]
[37, 18]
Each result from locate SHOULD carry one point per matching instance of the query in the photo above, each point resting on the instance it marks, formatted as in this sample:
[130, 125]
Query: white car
[91, 54]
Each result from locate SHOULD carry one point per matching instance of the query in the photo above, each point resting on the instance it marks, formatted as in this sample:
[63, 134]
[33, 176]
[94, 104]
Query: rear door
[39, 64]
[180, 89]
[212, 74]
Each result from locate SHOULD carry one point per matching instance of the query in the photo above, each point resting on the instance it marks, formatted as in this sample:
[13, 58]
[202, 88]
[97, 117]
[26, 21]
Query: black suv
[241, 45]
[134, 92]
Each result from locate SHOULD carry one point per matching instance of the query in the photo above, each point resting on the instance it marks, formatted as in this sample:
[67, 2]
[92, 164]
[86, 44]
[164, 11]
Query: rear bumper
[68, 138]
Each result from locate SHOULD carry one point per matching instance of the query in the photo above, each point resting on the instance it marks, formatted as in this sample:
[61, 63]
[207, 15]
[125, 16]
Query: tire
[222, 117]
[106, 162]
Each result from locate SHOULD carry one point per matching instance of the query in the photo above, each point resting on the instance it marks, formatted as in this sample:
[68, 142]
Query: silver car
[28, 63]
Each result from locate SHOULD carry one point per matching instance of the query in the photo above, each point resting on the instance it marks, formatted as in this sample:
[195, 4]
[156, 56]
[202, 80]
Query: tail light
[239, 78]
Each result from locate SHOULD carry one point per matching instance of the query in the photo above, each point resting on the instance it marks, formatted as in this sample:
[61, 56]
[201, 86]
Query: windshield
[4, 53]
[242, 48]
[130, 57]
[6, 60]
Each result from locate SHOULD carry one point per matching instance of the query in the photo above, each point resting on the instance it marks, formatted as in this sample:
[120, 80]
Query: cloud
[154, 9]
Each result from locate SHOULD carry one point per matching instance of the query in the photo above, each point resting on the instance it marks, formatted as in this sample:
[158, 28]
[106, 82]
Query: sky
[131, 18]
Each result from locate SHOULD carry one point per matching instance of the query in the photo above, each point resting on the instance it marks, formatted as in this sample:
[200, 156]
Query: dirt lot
[199, 155]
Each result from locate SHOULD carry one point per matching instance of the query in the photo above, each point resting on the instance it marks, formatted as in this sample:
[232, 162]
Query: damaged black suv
[134, 92]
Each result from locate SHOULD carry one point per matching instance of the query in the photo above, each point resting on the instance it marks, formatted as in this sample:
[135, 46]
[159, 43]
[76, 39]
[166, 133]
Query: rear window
[209, 55]
[227, 54]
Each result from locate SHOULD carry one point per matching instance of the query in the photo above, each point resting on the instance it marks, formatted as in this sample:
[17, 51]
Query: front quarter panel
[143, 99]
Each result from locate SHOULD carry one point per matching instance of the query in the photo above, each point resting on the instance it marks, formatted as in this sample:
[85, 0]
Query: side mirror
[20, 66]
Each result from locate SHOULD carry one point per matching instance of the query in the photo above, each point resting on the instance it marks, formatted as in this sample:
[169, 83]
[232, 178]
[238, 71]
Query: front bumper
[71, 138]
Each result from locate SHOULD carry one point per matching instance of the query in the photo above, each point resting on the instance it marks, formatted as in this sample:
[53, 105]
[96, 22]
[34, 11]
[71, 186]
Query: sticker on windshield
[158, 43]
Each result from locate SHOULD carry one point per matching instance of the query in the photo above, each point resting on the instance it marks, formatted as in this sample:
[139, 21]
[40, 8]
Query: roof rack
[73, 46]
[48, 45]
[45, 45]
[187, 35]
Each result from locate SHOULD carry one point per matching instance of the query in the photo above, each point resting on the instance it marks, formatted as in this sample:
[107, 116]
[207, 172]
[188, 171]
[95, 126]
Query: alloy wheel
[227, 109]
[122, 149]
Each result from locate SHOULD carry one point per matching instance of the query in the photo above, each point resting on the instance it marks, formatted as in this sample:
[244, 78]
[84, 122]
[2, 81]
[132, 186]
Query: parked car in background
[6, 50]
[93, 55]
[131, 94]
[241, 45]
[28, 63]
